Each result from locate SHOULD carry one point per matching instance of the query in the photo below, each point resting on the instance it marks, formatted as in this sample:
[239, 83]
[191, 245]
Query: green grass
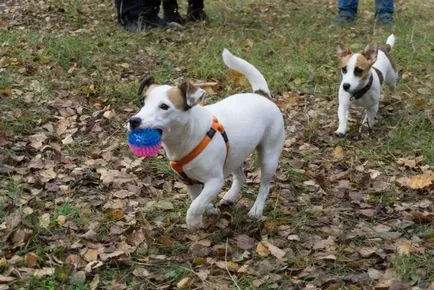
[408, 266]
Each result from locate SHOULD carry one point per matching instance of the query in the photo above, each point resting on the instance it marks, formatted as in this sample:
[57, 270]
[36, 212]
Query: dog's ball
[144, 142]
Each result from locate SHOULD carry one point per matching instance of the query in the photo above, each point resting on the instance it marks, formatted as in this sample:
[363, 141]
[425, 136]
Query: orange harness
[178, 165]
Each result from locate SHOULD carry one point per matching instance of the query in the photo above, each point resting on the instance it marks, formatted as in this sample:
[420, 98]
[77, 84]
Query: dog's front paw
[210, 209]
[194, 222]
[225, 202]
[339, 133]
[255, 212]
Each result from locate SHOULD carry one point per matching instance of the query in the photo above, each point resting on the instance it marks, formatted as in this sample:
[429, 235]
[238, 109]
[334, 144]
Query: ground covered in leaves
[79, 211]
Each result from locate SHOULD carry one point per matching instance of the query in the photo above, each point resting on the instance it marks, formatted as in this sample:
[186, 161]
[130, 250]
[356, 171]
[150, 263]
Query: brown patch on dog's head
[362, 66]
[178, 99]
[192, 94]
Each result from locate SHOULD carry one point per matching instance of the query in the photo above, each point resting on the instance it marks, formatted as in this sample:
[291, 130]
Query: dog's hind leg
[269, 157]
[194, 191]
[233, 194]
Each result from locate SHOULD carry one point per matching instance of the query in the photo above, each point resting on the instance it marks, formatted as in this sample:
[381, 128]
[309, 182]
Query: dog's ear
[343, 51]
[192, 94]
[371, 52]
[147, 82]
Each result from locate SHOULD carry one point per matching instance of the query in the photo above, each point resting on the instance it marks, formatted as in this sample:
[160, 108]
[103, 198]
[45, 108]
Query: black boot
[195, 10]
[149, 16]
[171, 12]
[128, 12]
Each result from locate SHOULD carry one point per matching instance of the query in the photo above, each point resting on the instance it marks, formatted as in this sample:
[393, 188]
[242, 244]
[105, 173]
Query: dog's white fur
[370, 101]
[251, 122]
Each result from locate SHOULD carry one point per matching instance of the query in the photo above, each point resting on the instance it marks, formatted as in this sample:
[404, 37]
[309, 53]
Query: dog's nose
[346, 87]
[135, 122]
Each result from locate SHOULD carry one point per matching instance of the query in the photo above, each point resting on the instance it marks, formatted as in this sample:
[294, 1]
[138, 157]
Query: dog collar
[358, 94]
[178, 165]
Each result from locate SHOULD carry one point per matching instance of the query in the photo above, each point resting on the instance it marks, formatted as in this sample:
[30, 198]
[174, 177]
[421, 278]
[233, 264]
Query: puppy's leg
[269, 157]
[201, 202]
[343, 112]
[234, 192]
[371, 116]
[194, 191]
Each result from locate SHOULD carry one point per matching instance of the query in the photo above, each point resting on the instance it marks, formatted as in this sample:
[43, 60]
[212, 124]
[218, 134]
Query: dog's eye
[344, 70]
[142, 103]
[358, 71]
[164, 107]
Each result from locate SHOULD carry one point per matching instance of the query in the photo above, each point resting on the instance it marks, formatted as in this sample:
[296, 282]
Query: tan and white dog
[251, 121]
[362, 77]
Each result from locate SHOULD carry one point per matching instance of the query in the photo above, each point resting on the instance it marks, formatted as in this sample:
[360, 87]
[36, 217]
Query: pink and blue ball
[144, 142]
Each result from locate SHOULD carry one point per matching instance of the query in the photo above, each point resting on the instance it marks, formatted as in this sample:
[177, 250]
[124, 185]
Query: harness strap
[380, 75]
[178, 165]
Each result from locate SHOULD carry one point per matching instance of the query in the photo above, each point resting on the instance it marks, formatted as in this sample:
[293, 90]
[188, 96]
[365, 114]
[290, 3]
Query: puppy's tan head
[355, 66]
[165, 106]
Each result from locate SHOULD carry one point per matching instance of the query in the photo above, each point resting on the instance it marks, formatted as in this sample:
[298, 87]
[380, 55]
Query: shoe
[152, 21]
[196, 11]
[171, 16]
[344, 18]
[385, 18]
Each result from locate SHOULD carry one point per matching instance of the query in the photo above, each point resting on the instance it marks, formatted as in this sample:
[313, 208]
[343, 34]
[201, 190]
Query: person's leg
[128, 12]
[149, 17]
[196, 10]
[171, 12]
[384, 11]
[347, 10]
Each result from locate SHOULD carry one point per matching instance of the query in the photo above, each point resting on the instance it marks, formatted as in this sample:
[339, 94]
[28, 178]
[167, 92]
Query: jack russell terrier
[207, 143]
[362, 77]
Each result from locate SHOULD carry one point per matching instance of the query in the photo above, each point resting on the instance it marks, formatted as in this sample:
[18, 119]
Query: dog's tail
[256, 79]
[390, 42]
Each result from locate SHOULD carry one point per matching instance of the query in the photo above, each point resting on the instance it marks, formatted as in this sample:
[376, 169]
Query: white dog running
[362, 77]
[203, 158]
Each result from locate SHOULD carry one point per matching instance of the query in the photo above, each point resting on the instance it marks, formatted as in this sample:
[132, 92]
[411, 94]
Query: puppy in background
[362, 77]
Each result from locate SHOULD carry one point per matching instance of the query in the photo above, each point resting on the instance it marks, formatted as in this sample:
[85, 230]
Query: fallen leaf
[404, 248]
[46, 271]
[245, 242]
[164, 204]
[91, 255]
[262, 250]
[275, 251]
[183, 283]
[293, 238]
[141, 272]
[338, 153]
[366, 252]
[37, 140]
[421, 181]
[231, 266]
[115, 214]
[31, 260]
[410, 163]
[374, 274]
[6, 279]
[48, 174]
[44, 220]
[78, 277]
[61, 219]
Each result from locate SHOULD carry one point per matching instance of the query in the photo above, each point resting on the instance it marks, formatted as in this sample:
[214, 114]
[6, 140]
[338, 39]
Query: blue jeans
[349, 7]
